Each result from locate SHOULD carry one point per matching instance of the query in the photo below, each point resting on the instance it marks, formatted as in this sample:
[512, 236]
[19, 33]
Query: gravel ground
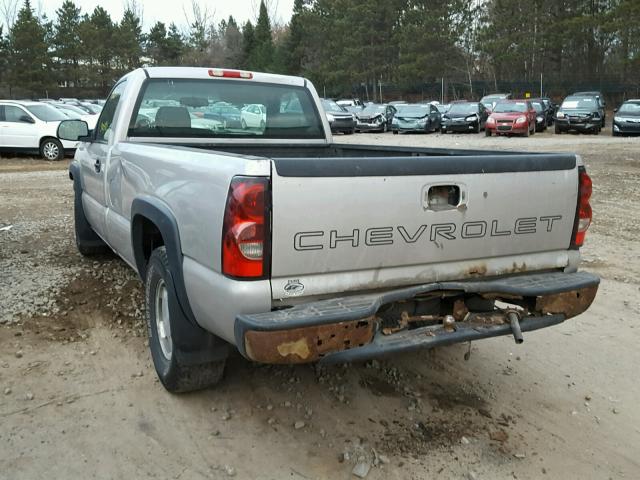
[79, 397]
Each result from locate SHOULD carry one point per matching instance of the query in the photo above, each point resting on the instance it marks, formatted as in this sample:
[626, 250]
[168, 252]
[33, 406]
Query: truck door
[93, 163]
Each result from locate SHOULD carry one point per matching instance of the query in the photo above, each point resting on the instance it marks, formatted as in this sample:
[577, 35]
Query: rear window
[510, 107]
[218, 108]
[579, 102]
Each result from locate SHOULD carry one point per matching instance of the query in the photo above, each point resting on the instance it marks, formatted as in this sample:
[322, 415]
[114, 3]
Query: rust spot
[460, 310]
[570, 303]
[477, 271]
[298, 347]
[307, 344]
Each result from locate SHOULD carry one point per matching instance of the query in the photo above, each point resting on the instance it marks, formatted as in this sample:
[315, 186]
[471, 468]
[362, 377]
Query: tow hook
[514, 321]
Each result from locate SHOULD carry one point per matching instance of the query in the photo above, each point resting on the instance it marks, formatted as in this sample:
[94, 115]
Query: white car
[253, 116]
[31, 127]
[74, 112]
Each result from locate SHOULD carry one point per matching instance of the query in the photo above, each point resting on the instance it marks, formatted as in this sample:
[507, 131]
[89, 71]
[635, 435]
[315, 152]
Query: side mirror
[73, 130]
[27, 119]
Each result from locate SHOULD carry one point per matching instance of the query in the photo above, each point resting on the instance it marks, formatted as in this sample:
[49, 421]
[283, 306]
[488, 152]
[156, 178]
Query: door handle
[97, 166]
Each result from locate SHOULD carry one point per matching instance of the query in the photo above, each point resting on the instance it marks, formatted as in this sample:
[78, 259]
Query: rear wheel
[487, 132]
[179, 370]
[51, 149]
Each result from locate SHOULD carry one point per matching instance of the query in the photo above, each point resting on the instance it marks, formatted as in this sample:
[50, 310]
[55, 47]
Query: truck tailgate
[345, 224]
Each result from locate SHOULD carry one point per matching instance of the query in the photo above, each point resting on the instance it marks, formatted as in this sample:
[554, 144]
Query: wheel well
[44, 139]
[149, 238]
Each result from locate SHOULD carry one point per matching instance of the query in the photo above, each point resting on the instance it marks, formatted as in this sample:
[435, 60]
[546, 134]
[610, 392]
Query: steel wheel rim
[163, 326]
[51, 150]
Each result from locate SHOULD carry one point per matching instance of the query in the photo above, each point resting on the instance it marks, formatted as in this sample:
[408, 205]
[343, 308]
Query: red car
[512, 117]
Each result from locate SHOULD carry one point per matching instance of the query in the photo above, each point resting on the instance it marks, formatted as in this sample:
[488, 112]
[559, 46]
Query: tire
[476, 129]
[614, 134]
[557, 130]
[487, 132]
[165, 322]
[443, 131]
[395, 132]
[51, 149]
[350, 132]
[87, 240]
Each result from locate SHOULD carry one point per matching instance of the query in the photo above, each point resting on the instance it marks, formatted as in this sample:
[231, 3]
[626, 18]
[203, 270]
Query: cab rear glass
[219, 108]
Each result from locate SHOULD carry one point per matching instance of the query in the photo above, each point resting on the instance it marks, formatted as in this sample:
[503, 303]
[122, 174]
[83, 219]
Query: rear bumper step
[347, 329]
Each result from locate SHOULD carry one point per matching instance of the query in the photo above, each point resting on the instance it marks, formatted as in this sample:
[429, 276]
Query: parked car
[72, 111]
[541, 114]
[489, 101]
[350, 102]
[295, 249]
[253, 116]
[375, 117]
[226, 113]
[579, 113]
[355, 109]
[601, 102]
[512, 117]
[416, 118]
[626, 119]
[30, 127]
[465, 117]
[340, 120]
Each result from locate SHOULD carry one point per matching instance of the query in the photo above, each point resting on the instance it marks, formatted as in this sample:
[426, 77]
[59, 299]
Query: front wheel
[395, 132]
[51, 149]
[165, 321]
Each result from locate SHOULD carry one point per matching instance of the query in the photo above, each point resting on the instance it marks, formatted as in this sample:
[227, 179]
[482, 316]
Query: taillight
[583, 212]
[245, 231]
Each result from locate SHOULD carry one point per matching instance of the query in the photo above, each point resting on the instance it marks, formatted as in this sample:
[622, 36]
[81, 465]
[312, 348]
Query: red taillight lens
[245, 228]
[583, 212]
[217, 72]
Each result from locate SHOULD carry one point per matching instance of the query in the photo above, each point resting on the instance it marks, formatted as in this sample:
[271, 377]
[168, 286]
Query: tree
[129, 41]
[66, 43]
[291, 51]
[261, 56]
[156, 44]
[248, 44]
[231, 42]
[97, 36]
[28, 53]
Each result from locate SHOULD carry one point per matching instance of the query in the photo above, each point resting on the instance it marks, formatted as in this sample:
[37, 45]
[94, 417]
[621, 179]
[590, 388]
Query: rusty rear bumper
[348, 328]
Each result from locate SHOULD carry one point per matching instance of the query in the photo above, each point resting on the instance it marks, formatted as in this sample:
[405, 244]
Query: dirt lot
[79, 397]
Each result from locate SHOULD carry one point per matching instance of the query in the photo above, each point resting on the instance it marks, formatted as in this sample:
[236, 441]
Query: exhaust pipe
[514, 321]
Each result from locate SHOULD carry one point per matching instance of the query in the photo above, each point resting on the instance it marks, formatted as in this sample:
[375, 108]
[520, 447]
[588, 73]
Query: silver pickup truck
[250, 228]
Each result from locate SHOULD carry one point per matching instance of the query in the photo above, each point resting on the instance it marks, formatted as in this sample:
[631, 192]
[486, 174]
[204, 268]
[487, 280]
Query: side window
[14, 114]
[1, 113]
[103, 127]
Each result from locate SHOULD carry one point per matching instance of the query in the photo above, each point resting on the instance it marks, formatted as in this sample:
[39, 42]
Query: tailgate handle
[444, 197]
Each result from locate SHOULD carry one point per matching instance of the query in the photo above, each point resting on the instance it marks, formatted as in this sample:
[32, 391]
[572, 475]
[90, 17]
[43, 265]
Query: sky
[174, 10]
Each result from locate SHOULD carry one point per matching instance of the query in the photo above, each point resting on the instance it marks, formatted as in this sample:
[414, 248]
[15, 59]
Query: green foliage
[261, 55]
[343, 46]
[28, 52]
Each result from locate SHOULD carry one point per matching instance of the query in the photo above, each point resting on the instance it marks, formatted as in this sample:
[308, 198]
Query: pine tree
[292, 49]
[28, 53]
[66, 43]
[261, 57]
[248, 45]
[129, 41]
[156, 44]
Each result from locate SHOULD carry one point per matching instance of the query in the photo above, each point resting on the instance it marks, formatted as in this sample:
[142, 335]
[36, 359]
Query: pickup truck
[291, 248]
